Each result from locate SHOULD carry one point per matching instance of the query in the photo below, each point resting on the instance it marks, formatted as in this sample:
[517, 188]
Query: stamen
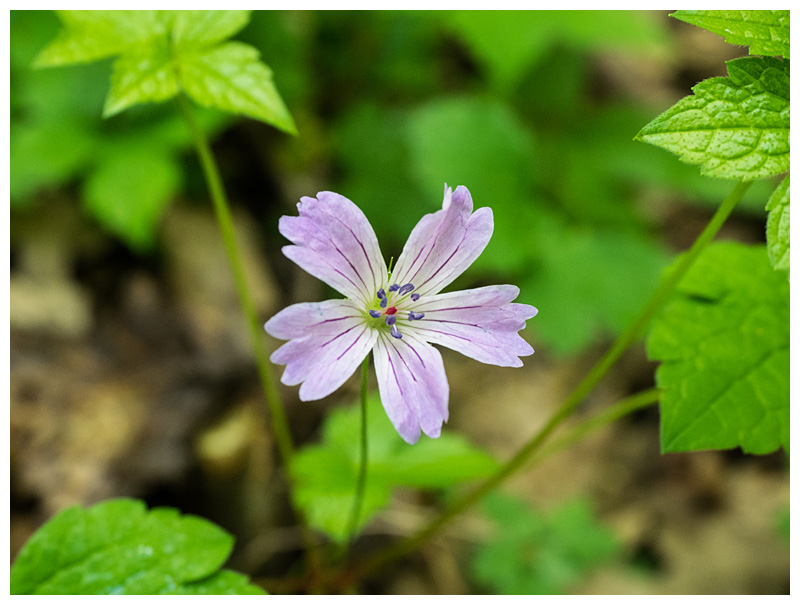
[390, 319]
[375, 314]
[405, 289]
[415, 296]
[415, 315]
[395, 332]
[382, 296]
[394, 288]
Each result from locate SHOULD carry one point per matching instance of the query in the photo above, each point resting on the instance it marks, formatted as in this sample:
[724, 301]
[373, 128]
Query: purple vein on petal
[357, 338]
[340, 334]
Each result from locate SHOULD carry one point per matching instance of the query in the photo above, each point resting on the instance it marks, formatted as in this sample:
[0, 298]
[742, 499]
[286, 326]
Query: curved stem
[670, 280]
[225, 220]
[280, 424]
[362, 471]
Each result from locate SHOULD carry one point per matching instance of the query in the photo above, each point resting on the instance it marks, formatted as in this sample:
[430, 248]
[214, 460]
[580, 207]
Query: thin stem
[362, 471]
[225, 220]
[622, 408]
[280, 424]
[626, 339]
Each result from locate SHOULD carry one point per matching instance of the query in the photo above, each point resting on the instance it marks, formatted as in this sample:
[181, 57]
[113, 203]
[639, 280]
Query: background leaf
[90, 35]
[540, 553]
[723, 344]
[118, 547]
[765, 32]
[778, 231]
[195, 28]
[326, 474]
[735, 127]
[231, 78]
[142, 75]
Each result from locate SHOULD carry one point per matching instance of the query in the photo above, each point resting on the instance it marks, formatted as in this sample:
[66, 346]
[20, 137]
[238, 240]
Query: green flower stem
[626, 339]
[615, 412]
[280, 424]
[225, 220]
[362, 471]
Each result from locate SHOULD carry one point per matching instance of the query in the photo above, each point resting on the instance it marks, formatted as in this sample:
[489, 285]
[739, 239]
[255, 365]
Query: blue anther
[415, 296]
[382, 296]
[415, 315]
[394, 288]
[405, 289]
[395, 332]
[390, 319]
[374, 313]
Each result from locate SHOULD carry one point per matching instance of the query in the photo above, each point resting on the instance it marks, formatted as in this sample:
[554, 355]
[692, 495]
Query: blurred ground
[131, 376]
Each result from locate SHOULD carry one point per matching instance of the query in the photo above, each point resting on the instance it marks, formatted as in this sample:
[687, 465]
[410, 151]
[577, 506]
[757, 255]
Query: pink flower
[397, 316]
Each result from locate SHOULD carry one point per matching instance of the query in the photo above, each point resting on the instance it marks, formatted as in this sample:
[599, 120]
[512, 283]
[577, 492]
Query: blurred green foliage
[326, 474]
[390, 105]
[533, 552]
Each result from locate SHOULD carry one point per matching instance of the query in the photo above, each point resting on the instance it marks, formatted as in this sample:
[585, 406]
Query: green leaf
[232, 78]
[778, 226]
[118, 547]
[141, 75]
[129, 190]
[735, 127]
[765, 32]
[204, 28]
[591, 283]
[540, 553]
[223, 582]
[326, 474]
[507, 43]
[90, 35]
[723, 344]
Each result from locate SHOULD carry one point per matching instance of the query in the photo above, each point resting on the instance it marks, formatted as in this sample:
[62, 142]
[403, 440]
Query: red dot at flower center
[390, 311]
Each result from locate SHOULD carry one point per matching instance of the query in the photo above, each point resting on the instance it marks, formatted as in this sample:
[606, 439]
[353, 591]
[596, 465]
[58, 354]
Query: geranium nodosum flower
[395, 316]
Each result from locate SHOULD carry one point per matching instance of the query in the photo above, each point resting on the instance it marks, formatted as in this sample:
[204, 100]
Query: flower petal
[295, 320]
[412, 385]
[335, 243]
[444, 244]
[325, 352]
[480, 323]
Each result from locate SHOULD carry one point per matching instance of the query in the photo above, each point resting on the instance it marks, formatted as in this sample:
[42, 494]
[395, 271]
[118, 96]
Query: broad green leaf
[232, 78]
[326, 474]
[533, 552]
[778, 226]
[203, 28]
[735, 127]
[129, 190]
[90, 35]
[723, 344]
[223, 582]
[118, 547]
[765, 32]
[142, 75]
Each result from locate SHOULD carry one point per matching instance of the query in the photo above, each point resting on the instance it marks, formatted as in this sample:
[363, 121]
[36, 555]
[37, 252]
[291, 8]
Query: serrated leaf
[723, 344]
[118, 547]
[129, 190]
[735, 127]
[540, 553]
[232, 78]
[326, 474]
[142, 75]
[778, 226]
[194, 28]
[765, 32]
[90, 35]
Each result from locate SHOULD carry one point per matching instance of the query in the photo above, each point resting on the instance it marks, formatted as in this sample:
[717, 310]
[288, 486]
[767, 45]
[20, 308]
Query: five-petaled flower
[395, 316]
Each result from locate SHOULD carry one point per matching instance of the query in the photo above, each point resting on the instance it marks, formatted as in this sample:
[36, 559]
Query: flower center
[391, 303]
